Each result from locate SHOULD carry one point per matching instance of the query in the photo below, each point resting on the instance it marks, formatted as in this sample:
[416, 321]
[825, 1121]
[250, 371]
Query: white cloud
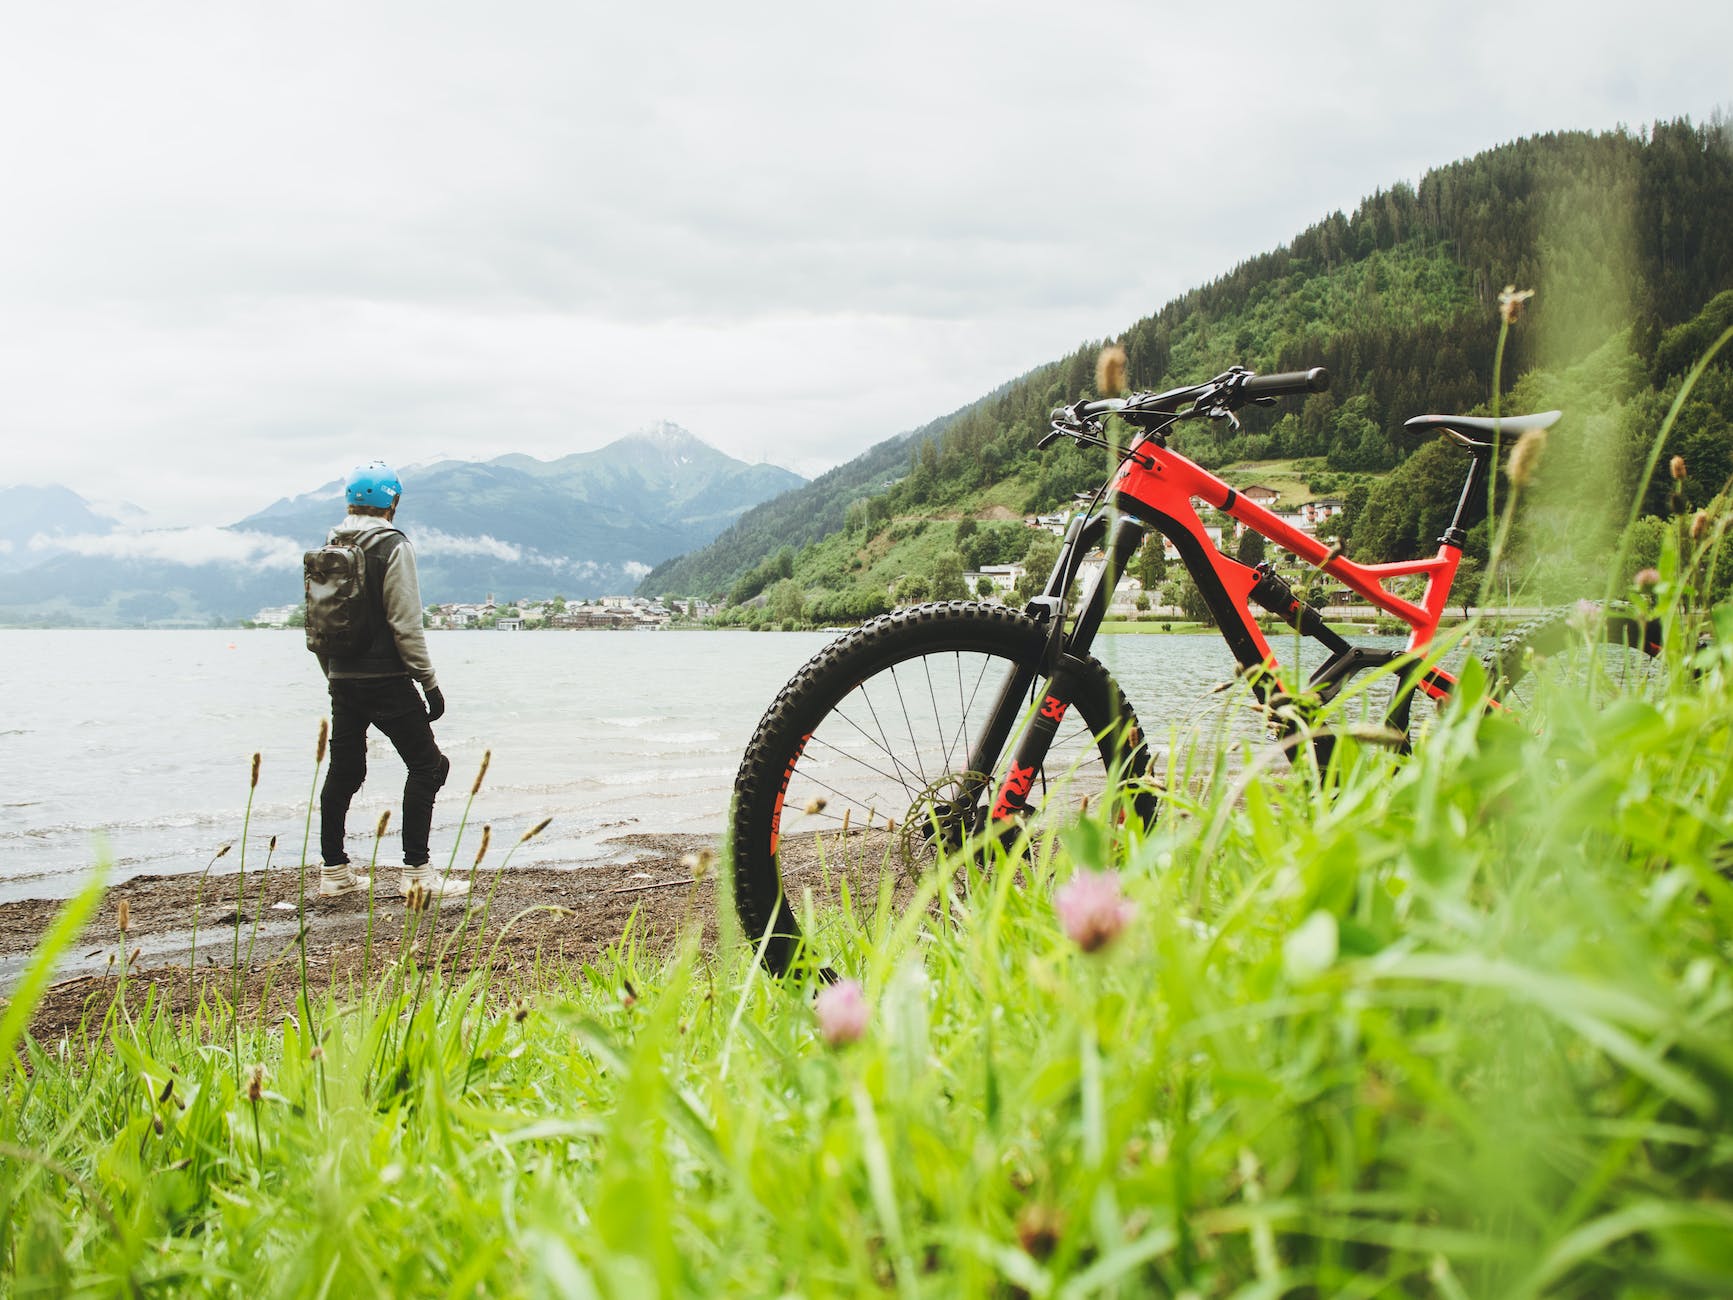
[247, 247]
[203, 544]
[430, 541]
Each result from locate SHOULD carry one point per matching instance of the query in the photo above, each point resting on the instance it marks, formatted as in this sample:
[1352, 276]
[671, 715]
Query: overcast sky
[243, 247]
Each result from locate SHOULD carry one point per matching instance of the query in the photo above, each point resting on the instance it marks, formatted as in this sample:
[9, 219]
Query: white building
[1212, 531]
[1004, 577]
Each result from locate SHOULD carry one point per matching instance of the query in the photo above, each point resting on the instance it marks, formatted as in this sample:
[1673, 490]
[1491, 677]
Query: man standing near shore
[372, 681]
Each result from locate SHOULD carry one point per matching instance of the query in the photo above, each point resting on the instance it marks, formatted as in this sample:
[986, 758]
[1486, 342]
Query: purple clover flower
[1091, 909]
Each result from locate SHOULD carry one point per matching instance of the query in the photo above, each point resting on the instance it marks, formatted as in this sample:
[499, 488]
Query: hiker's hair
[377, 512]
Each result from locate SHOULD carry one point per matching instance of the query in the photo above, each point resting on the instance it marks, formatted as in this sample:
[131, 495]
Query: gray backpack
[341, 619]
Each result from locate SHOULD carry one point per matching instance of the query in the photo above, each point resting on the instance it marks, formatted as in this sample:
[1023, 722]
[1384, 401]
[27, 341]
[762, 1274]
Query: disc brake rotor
[941, 817]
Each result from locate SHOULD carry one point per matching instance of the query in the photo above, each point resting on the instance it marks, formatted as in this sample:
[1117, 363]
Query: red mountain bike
[935, 723]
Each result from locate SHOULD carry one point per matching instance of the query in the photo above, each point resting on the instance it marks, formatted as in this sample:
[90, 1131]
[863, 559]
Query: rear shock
[1273, 593]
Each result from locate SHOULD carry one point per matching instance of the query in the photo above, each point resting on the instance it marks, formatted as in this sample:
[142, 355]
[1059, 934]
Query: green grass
[1458, 1024]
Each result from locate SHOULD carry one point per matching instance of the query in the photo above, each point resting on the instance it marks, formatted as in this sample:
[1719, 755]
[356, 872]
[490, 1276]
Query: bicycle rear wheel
[1587, 651]
[861, 765]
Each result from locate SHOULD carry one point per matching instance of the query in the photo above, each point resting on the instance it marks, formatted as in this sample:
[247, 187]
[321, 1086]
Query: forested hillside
[1625, 238]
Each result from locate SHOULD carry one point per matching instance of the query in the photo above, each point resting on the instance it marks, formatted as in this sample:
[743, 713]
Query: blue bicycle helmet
[373, 484]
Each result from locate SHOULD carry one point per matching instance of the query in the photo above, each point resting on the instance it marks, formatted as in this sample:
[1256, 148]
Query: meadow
[1460, 1022]
[1454, 1022]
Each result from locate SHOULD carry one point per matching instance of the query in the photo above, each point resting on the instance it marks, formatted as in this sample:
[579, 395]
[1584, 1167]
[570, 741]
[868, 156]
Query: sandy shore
[536, 914]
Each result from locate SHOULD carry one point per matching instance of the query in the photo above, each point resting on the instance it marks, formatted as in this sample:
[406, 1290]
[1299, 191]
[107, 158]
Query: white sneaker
[341, 879]
[430, 883]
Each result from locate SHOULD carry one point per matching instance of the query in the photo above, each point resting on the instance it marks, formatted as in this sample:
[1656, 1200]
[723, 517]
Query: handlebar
[1221, 396]
[1291, 383]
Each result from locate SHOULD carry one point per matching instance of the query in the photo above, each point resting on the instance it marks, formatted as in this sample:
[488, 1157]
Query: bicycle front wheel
[862, 765]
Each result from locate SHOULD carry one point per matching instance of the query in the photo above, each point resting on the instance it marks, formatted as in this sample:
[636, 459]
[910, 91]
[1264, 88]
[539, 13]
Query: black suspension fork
[1061, 664]
[1049, 607]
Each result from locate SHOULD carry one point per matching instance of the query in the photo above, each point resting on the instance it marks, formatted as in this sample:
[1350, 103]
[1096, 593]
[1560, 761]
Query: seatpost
[1456, 535]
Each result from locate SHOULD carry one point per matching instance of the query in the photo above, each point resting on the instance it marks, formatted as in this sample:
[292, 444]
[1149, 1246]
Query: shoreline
[522, 916]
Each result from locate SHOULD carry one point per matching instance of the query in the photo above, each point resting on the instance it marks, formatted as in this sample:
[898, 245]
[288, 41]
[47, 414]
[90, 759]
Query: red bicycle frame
[1157, 486]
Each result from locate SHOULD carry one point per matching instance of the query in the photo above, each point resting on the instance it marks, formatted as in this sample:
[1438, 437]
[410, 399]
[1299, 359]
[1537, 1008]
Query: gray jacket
[402, 597]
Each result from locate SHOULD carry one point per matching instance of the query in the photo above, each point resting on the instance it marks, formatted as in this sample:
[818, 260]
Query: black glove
[435, 704]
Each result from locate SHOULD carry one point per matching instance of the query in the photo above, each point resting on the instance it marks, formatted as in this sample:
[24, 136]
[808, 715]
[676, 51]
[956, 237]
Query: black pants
[394, 706]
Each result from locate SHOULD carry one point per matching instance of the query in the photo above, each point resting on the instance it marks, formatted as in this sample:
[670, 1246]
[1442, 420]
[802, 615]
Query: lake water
[138, 744]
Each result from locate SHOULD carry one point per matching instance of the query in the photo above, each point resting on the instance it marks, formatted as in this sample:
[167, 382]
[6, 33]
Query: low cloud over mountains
[584, 525]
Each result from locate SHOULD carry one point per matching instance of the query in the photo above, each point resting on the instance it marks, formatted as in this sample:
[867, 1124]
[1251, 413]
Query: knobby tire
[868, 739]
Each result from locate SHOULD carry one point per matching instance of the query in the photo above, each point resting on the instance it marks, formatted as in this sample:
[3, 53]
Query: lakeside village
[992, 582]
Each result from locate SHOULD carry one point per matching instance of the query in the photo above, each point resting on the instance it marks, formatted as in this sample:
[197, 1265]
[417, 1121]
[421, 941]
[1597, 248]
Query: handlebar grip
[1290, 383]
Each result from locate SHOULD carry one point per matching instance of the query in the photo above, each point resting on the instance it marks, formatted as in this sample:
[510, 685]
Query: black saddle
[1452, 426]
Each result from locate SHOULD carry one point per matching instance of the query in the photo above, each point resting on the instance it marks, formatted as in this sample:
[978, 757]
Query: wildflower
[520, 1011]
[475, 786]
[845, 813]
[136, 954]
[253, 783]
[1583, 614]
[124, 911]
[535, 830]
[1510, 302]
[167, 1092]
[256, 1084]
[1647, 579]
[223, 851]
[1091, 909]
[1699, 525]
[698, 863]
[486, 839]
[418, 897]
[1110, 371]
[1676, 467]
[815, 807]
[324, 739]
[628, 994]
[317, 1054]
[842, 1012]
[1039, 1228]
[272, 846]
[384, 821]
[1525, 457]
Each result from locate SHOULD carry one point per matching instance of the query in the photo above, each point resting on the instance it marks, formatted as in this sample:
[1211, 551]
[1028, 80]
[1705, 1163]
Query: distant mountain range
[795, 518]
[584, 525]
